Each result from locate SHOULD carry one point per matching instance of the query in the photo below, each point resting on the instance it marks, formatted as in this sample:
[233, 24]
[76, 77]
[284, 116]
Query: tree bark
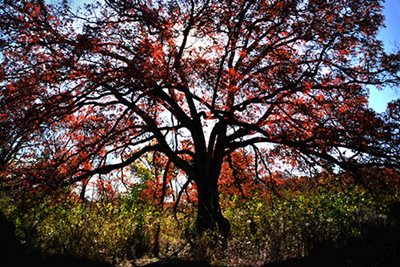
[209, 215]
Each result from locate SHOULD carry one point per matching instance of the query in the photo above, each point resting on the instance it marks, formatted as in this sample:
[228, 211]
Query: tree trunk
[209, 216]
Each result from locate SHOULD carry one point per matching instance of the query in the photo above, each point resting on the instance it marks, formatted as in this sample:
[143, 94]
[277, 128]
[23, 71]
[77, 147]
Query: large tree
[195, 81]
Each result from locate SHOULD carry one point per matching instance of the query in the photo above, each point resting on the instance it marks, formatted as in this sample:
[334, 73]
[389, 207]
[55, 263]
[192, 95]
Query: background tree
[196, 81]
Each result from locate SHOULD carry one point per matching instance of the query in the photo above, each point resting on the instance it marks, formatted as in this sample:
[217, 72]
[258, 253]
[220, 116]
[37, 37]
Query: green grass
[262, 229]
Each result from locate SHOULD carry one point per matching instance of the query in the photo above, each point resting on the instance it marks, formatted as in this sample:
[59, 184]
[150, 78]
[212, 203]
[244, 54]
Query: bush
[263, 229]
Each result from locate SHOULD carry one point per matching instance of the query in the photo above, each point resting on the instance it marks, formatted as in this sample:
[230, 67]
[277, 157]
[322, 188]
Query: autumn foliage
[224, 91]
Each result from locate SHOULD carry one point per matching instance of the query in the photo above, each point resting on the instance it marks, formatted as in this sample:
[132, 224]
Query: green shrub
[263, 229]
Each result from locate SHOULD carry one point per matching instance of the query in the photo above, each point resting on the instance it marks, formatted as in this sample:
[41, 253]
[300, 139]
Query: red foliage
[199, 82]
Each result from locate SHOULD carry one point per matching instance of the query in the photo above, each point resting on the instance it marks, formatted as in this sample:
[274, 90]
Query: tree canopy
[86, 94]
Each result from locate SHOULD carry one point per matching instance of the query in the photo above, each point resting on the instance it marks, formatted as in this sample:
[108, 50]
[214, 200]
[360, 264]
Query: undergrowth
[263, 229]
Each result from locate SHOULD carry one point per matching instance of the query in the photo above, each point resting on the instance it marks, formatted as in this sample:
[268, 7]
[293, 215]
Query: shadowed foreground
[12, 253]
[378, 246]
[178, 263]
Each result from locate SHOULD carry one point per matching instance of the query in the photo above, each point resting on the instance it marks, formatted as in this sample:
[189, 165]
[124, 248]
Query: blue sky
[390, 35]
[391, 39]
